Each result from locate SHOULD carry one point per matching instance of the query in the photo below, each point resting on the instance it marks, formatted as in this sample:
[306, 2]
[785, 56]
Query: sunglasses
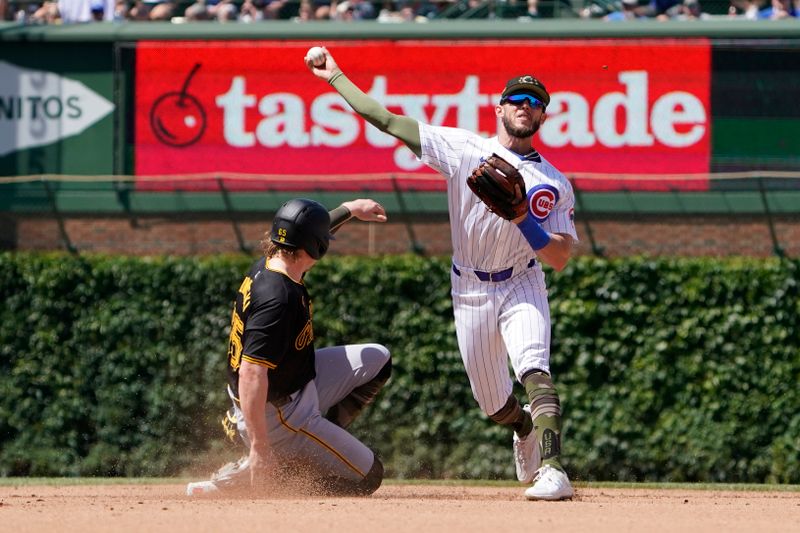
[519, 99]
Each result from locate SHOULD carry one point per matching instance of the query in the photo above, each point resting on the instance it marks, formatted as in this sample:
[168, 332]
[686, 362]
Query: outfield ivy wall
[669, 369]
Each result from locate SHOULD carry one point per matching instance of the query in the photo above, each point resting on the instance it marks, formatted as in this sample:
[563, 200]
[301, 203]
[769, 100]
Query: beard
[519, 132]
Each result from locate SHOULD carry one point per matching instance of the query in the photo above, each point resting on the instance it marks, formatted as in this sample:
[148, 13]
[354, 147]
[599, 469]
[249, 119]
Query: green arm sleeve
[402, 127]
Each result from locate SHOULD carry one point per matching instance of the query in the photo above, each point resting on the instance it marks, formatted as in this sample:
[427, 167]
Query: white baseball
[316, 55]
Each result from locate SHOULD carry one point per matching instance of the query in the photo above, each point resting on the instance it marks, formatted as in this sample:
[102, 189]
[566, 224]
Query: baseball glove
[500, 186]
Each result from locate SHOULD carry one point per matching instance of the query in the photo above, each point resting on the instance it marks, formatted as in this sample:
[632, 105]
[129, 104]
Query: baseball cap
[526, 84]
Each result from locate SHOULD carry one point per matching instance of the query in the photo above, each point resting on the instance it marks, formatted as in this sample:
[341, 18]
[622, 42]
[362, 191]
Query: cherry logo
[541, 200]
[177, 118]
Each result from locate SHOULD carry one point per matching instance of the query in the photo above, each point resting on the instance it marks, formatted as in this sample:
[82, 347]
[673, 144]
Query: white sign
[619, 118]
[39, 108]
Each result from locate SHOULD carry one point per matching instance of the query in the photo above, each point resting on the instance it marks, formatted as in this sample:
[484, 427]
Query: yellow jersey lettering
[245, 290]
[235, 341]
[305, 338]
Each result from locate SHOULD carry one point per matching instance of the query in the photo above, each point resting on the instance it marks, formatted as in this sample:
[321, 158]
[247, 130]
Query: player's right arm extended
[400, 126]
[253, 388]
[364, 209]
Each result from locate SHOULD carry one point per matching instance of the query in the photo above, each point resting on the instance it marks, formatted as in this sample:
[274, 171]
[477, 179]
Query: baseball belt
[499, 275]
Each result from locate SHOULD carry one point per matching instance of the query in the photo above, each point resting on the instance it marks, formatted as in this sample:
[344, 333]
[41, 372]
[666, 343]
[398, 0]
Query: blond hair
[271, 249]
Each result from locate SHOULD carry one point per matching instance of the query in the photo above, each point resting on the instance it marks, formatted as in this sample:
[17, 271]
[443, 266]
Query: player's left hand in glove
[500, 186]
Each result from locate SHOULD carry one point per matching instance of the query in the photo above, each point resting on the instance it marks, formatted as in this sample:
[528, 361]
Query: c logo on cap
[541, 201]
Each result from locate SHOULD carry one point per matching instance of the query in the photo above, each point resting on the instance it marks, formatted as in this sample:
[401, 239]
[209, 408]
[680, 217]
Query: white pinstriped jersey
[510, 317]
[481, 239]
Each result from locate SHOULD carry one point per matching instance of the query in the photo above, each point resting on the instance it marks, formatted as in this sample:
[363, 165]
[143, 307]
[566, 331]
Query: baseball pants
[498, 321]
[299, 434]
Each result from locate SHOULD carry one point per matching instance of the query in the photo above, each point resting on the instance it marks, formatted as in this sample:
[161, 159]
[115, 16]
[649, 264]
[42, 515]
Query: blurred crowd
[180, 11]
[692, 10]
[176, 11]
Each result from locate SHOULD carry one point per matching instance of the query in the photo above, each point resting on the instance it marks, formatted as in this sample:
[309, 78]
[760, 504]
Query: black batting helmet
[303, 223]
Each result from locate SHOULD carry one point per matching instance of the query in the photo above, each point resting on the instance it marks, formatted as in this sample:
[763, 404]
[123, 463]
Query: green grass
[750, 487]
[64, 481]
[605, 484]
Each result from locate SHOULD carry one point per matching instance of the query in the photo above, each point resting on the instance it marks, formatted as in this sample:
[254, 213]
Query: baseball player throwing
[498, 286]
[280, 386]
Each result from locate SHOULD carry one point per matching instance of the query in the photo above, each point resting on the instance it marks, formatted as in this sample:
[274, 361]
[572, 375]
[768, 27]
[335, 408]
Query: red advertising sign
[632, 107]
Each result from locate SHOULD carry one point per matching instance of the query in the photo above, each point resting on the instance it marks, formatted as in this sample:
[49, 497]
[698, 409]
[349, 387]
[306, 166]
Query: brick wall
[692, 236]
[687, 236]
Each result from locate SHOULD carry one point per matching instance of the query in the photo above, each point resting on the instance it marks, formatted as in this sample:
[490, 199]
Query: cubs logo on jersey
[542, 199]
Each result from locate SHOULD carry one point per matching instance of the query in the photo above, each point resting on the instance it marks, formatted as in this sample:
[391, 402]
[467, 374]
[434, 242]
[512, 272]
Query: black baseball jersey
[271, 326]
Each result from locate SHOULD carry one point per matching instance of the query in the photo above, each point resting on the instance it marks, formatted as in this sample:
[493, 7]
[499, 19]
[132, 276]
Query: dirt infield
[411, 508]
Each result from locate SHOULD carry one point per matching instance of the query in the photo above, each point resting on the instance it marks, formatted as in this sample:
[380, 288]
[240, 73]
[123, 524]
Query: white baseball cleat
[199, 488]
[526, 454]
[550, 484]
